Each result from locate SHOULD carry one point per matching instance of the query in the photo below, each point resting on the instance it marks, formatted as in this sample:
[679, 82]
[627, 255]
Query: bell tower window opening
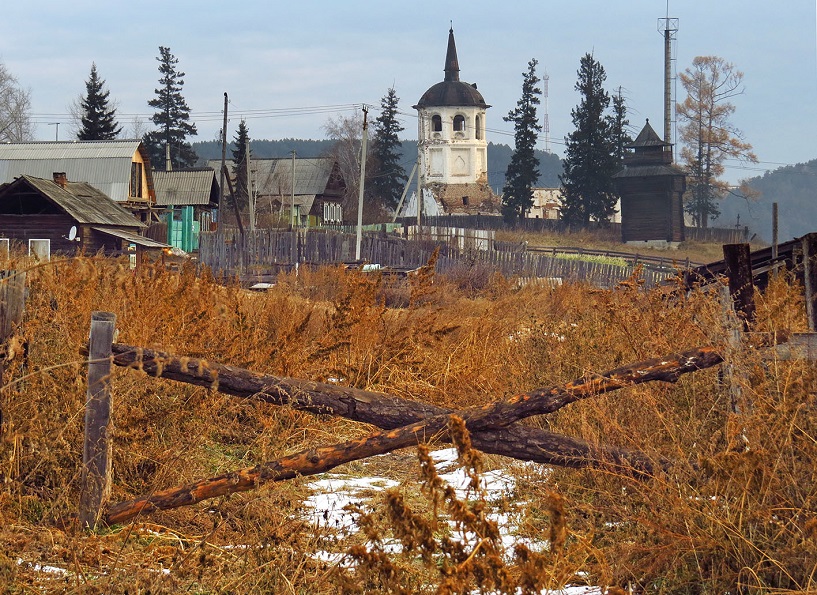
[459, 123]
[436, 123]
[479, 128]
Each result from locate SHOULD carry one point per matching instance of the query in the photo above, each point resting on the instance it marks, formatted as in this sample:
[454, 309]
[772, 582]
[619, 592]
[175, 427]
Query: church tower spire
[452, 66]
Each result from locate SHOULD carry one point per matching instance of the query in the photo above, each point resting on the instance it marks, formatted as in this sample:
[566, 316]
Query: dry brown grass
[725, 518]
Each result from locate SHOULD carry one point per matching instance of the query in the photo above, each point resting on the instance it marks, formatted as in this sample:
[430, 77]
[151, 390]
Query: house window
[459, 123]
[436, 123]
[40, 249]
[465, 201]
[136, 179]
[479, 128]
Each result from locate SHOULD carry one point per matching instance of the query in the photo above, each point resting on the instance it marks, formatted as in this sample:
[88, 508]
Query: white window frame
[33, 252]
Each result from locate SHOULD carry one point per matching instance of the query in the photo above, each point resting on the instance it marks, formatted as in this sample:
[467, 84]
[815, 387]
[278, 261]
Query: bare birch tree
[15, 109]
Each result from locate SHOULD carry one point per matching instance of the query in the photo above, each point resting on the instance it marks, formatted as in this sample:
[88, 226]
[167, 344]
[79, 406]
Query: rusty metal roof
[82, 202]
[186, 187]
[106, 165]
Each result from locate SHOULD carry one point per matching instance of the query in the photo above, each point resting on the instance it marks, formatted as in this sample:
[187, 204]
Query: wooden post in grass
[810, 278]
[96, 452]
[12, 300]
[738, 261]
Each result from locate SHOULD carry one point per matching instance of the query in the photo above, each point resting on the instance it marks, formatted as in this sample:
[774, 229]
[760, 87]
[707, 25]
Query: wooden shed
[651, 190]
[48, 216]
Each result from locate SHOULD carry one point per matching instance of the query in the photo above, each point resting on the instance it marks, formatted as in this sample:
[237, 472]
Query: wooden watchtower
[651, 190]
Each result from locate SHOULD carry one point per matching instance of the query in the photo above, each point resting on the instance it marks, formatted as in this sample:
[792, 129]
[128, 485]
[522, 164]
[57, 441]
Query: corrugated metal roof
[273, 177]
[82, 202]
[106, 165]
[185, 187]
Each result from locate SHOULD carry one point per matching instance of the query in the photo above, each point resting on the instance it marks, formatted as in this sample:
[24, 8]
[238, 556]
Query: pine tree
[172, 117]
[523, 170]
[388, 177]
[240, 183]
[98, 118]
[590, 152]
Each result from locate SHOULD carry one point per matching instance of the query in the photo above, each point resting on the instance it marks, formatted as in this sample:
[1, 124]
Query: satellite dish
[72, 233]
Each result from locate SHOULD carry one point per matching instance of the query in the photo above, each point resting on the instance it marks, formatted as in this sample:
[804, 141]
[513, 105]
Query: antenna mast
[668, 27]
[546, 122]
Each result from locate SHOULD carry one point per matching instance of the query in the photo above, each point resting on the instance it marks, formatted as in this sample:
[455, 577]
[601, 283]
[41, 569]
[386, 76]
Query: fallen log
[310, 462]
[480, 421]
[387, 411]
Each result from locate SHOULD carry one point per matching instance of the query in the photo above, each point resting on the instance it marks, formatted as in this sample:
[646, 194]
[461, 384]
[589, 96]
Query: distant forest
[792, 187]
[499, 156]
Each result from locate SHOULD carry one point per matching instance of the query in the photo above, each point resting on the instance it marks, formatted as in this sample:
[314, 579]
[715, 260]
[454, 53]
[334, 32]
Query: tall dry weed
[736, 511]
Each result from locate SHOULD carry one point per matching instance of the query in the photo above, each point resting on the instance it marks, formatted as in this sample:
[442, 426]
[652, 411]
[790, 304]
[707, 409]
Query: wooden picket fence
[264, 253]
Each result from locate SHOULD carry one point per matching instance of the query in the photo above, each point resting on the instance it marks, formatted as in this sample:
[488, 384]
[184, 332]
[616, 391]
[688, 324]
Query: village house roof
[106, 165]
[452, 92]
[81, 201]
[313, 177]
[185, 187]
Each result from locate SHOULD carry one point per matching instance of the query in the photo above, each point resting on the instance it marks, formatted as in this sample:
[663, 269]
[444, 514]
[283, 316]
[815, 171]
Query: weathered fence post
[738, 261]
[810, 278]
[12, 300]
[96, 452]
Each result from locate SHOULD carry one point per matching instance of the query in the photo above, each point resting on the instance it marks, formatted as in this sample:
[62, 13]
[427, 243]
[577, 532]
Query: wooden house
[318, 189]
[58, 216]
[189, 199]
[119, 169]
[651, 190]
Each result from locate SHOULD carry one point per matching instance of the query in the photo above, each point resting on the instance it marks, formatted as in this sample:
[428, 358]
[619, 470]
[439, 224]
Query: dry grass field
[736, 511]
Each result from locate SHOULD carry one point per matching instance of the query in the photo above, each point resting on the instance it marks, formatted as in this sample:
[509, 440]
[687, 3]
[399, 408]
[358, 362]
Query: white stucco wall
[451, 156]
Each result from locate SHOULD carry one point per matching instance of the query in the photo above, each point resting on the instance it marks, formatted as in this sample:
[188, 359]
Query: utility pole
[223, 159]
[168, 164]
[292, 186]
[362, 179]
[57, 133]
[250, 197]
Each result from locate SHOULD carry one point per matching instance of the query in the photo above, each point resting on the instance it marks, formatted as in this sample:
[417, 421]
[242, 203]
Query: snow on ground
[331, 493]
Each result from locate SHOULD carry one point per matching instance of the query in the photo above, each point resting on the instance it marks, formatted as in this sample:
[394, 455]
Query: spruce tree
[388, 178]
[590, 157]
[98, 117]
[172, 117]
[240, 183]
[523, 170]
[620, 123]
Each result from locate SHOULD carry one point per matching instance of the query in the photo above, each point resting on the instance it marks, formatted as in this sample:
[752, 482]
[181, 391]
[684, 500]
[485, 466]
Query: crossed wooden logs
[403, 422]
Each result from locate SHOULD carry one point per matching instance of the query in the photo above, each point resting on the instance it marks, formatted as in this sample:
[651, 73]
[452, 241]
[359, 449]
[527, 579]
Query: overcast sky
[289, 66]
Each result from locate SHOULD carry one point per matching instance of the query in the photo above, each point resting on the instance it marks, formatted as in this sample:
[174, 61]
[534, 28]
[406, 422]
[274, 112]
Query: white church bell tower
[453, 148]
